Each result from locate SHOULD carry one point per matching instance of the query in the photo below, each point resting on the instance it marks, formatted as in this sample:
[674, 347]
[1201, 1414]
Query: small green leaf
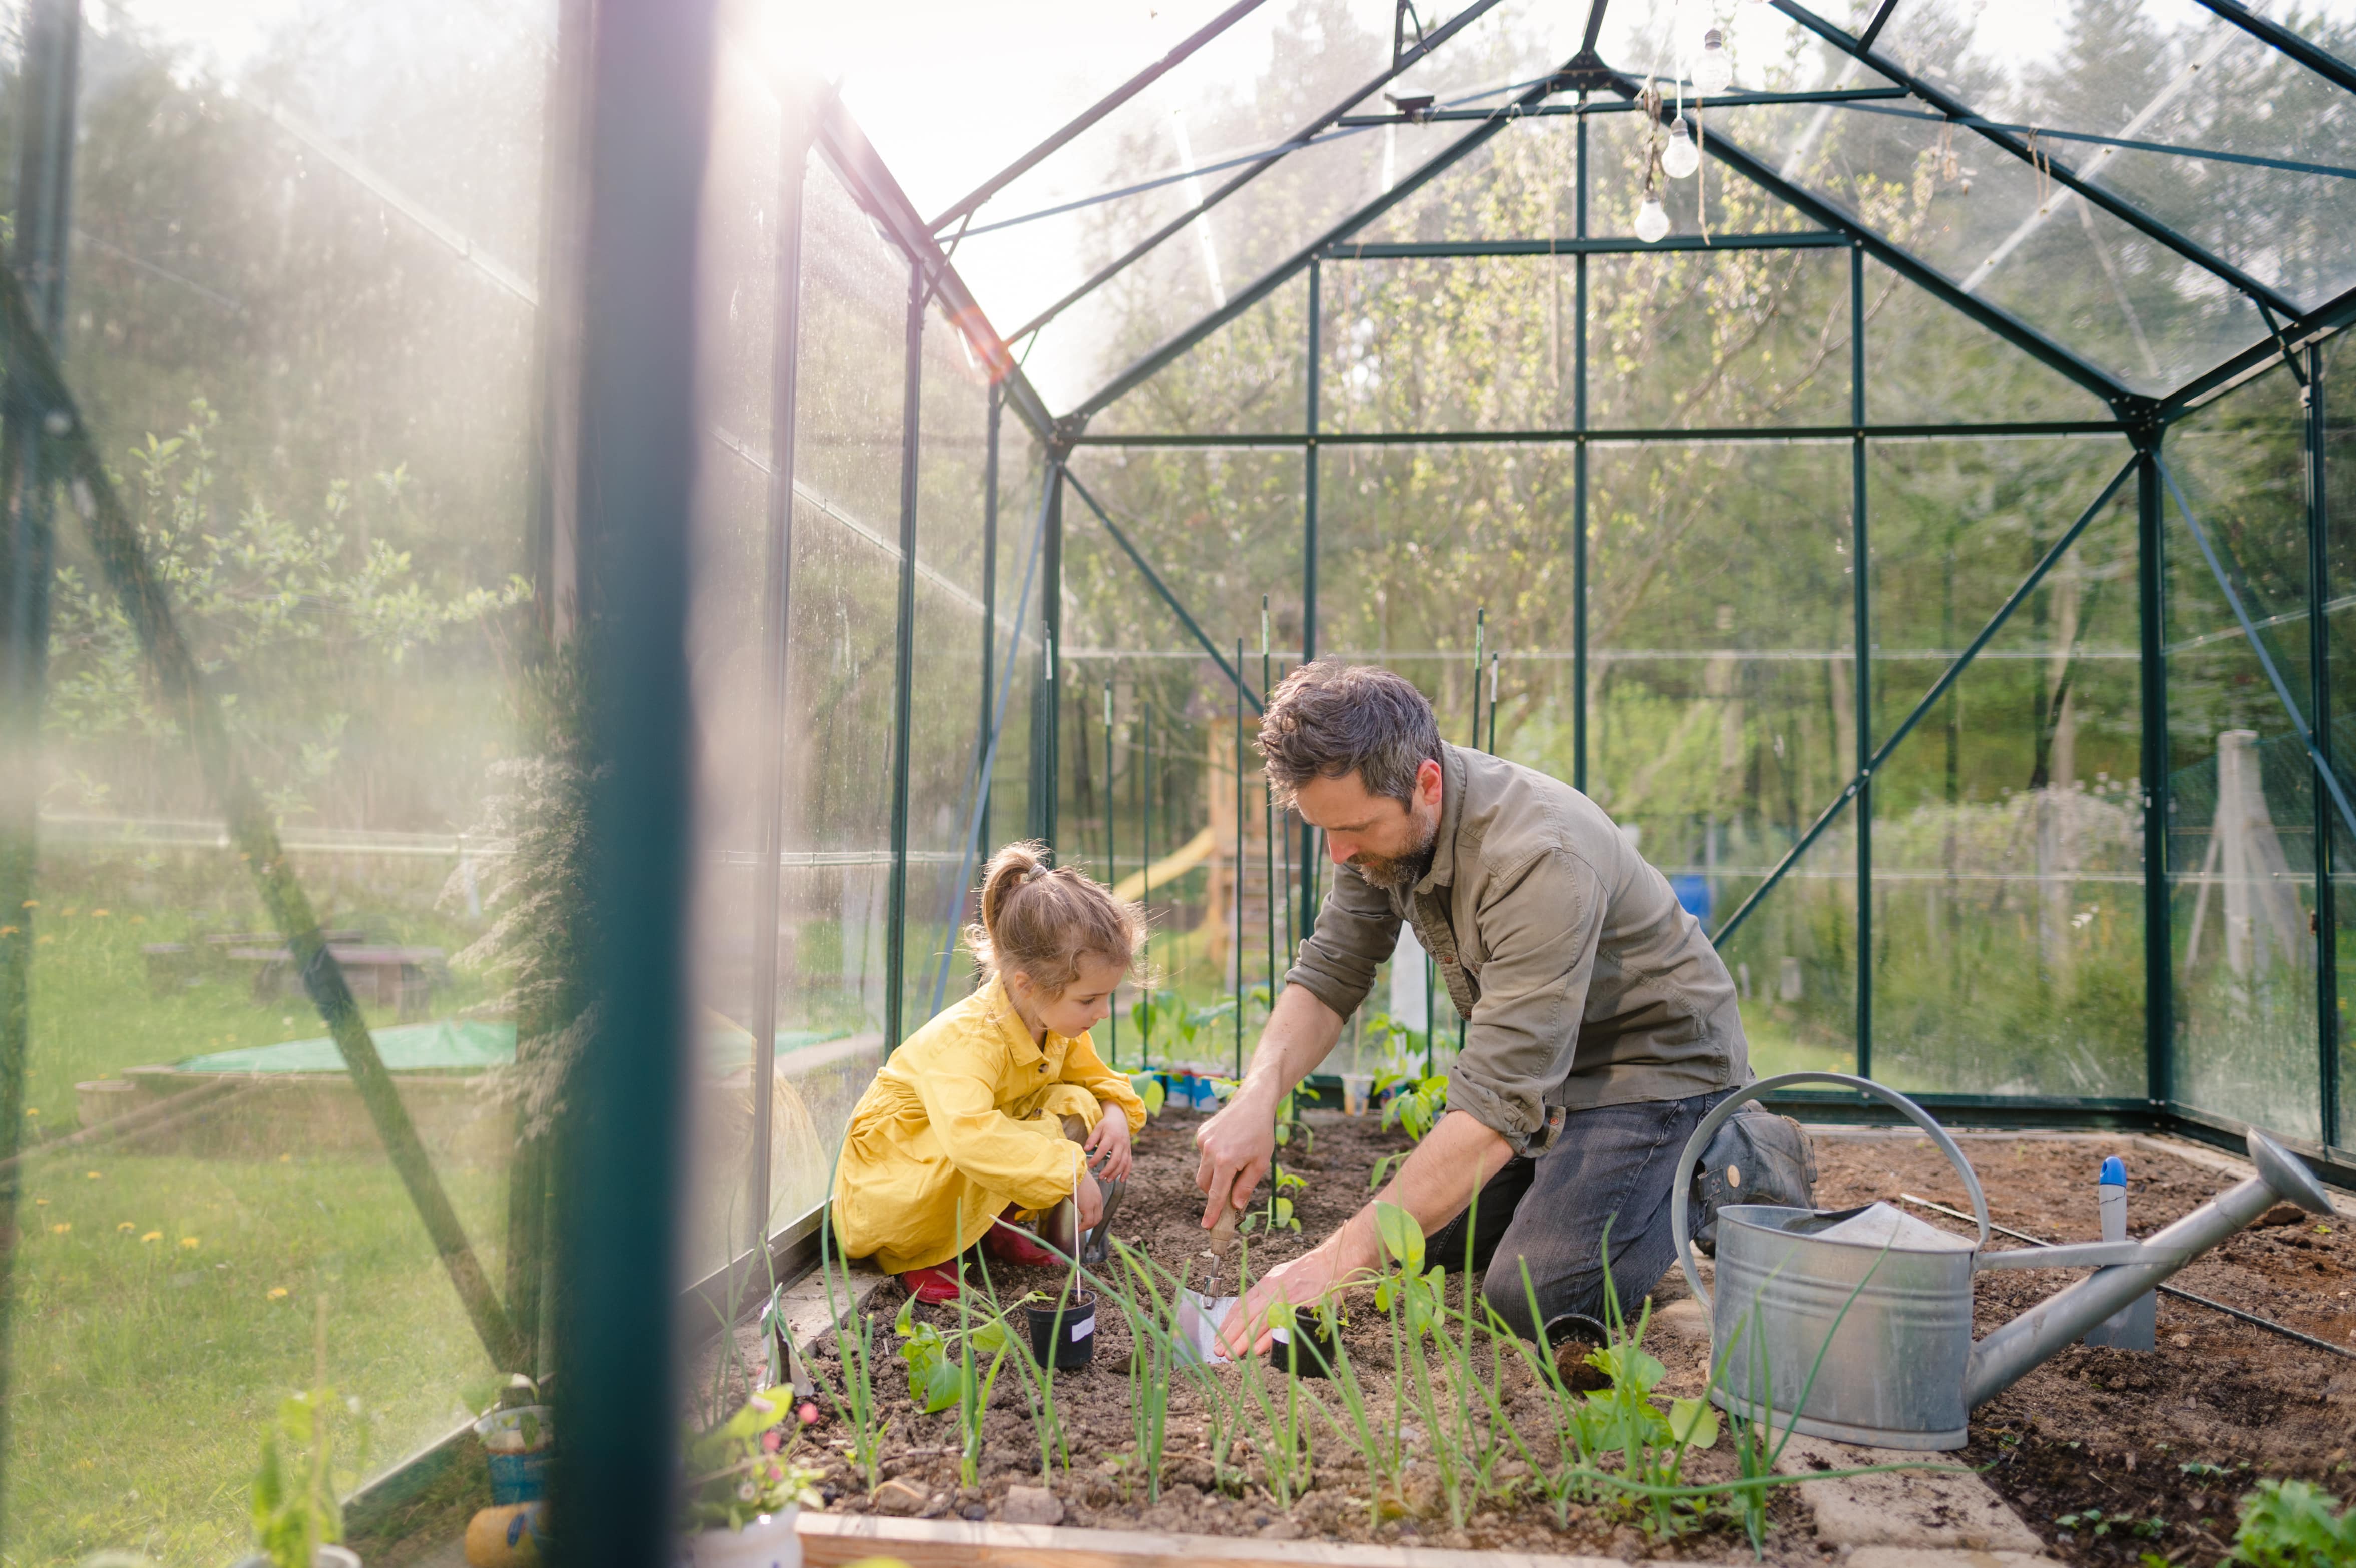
[1402, 1238]
[1693, 1422]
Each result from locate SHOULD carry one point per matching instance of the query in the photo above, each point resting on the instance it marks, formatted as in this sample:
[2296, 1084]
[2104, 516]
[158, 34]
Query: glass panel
[1749, 337]
[1222, 528]
[2339, 591]
[2008, 838]
[1793, 958]
[1989, 222]
[2242, 798]
[1957, 526]
[1250, 377]
[1928, 362]
[731, 621]
[1721, 714]
[2177, 77]
[338, 494]
[840, 636]
[952, 487]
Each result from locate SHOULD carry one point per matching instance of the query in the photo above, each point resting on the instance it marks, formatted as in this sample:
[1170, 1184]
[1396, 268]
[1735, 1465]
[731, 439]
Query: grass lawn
[165, 1302]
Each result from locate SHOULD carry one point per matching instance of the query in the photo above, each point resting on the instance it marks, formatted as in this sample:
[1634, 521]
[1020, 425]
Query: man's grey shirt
[1583, 980]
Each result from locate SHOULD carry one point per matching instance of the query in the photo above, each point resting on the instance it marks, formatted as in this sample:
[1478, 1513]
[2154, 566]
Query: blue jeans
[1613, 1167]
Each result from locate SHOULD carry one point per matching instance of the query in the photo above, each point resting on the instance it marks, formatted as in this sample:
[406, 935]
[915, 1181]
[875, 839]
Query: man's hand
[1303, 1282]
[1108, 1148]
[1090, 1198]
[1237, 1146]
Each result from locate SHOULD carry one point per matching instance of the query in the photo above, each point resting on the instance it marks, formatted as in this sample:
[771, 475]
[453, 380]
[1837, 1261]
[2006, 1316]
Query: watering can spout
[2128, 1269]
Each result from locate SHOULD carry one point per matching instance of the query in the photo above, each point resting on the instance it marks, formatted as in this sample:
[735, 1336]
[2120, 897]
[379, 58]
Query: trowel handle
[1723, 1112]
[1223, 1228]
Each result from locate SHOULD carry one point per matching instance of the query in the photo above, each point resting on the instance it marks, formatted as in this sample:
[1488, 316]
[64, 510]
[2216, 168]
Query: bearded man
[1602, 1024]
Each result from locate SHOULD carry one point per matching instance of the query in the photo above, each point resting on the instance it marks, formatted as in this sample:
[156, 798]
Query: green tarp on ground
[410, 1047]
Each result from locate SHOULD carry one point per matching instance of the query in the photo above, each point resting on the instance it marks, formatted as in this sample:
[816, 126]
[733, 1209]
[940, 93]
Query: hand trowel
[1200, 1315]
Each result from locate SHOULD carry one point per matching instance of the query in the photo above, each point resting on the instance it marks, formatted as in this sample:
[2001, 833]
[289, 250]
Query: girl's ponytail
[1044, 919]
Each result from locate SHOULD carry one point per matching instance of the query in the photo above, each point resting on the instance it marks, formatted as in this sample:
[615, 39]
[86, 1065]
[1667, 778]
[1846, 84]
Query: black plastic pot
[1304, 1349]
[1067, 1333]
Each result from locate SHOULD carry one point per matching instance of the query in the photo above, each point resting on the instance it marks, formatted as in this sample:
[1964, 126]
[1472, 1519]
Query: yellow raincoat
[965, 1119]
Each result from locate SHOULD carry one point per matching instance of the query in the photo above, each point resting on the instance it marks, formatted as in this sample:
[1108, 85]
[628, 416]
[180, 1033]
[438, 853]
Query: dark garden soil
[2167, 1442]
[1161, 1218]
[2160, 1445]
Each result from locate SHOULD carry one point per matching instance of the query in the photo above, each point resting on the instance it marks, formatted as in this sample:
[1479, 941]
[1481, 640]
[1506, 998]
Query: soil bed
[2162, 1443]
[1161, 1218]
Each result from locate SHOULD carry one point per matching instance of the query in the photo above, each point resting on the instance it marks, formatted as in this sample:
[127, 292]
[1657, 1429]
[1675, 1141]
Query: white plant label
[1082, 1330]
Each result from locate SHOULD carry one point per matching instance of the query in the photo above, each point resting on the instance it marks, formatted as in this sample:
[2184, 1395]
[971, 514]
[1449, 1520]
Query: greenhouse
[550, 542]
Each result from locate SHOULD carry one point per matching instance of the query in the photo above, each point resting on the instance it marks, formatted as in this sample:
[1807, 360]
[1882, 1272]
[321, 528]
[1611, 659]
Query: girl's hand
[1108, 1148]
[1090, 1198]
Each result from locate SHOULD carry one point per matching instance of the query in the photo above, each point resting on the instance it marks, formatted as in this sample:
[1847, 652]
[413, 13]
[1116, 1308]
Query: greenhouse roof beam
[1912, 268]
[2060, 174]
[1301, 138]
[1267, 283]
[2324, 63]
[1594, 436]
[2298, 333]
[848, 148]
[1546, 111]
[972, 200]
[1386, 251]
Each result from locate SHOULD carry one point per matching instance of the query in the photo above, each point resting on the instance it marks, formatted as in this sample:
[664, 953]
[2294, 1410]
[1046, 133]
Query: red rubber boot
[1009, 1243]
[934, 1285]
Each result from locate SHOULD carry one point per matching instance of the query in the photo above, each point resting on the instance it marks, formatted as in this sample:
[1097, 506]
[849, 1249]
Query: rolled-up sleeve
[1356, 929]
[991, 1148]
[1542, 928]
[1087, 1070]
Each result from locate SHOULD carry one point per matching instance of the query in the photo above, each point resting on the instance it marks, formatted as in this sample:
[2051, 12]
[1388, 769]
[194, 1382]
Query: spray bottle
[2130, 1328]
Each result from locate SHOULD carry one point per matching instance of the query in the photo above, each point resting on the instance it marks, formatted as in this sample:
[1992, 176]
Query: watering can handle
[1724, 1111]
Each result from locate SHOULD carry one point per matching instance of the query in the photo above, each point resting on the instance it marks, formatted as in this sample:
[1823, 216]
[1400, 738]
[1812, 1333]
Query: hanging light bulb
[1680, 159]
[1714, 72]
[1652, 221]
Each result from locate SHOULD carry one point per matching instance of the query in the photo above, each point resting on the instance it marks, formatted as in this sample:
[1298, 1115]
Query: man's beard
[1398, 873]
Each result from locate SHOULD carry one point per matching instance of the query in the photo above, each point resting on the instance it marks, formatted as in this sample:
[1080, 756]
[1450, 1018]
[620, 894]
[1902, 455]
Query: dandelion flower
[126, 1225]
[7, 931]
[44, 938]
[91, 1175]
[62, 1229]
[285, 1159]
[153, 1235]
[32, 1110]
[70, 911]
[138, 920]
[190, 1242]
[278, 1292]
[31, 904]
[40, 1203]
[99, 914]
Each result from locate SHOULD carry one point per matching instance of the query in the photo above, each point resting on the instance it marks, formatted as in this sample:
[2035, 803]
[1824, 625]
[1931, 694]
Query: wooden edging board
[834, 1540]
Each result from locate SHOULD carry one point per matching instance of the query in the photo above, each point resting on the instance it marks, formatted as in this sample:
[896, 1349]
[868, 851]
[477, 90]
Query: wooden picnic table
[396, 977]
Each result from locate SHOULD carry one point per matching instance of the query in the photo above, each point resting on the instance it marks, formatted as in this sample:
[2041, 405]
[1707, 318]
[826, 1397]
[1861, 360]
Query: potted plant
[742, 1493]
[296, 1517]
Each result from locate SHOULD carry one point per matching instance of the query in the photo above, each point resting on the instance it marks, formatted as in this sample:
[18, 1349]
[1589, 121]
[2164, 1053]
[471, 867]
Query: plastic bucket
[1064, 1336]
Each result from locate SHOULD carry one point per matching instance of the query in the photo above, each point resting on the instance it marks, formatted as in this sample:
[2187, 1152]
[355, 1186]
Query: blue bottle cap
[2114, 1172]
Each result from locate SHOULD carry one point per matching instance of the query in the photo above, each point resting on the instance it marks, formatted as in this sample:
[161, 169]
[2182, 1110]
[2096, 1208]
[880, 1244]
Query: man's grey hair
[1328, 720]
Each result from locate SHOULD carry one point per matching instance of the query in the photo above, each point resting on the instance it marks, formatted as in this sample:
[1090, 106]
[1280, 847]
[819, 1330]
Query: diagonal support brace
[1952, 674]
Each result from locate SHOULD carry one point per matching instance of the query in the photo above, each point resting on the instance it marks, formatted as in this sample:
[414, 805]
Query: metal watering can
[1869, 1341]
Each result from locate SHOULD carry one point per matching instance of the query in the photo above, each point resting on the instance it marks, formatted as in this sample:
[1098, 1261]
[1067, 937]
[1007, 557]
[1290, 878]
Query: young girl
[1000, 1105]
